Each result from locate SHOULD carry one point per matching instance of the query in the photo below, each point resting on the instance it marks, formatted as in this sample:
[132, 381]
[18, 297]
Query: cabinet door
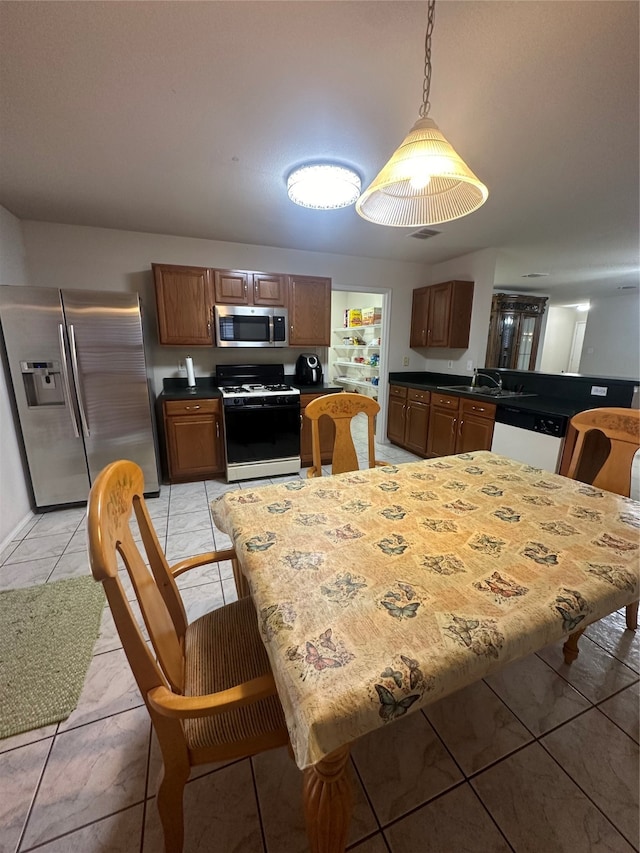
[232, 287]
[417, 427]
[419, 317]
[450, 306]
[474, 433]
[194, 438]
[327, 434]
[309, 311]
[184, 302]
[441, 439]
[396, 414]
[269, 289]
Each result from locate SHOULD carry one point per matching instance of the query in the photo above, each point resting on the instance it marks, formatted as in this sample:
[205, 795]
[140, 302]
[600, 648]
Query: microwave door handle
[65, 379]
[272, 330]
[76, 378]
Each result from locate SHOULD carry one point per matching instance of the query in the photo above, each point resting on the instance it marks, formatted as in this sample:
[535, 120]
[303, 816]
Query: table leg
[632, 615]
[327, 802]
[570, 647]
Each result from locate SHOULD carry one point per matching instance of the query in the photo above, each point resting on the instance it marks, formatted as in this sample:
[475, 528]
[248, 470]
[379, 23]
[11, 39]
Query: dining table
[382, 590]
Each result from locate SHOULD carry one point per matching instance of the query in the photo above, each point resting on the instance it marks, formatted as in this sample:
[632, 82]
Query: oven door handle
[287, 408]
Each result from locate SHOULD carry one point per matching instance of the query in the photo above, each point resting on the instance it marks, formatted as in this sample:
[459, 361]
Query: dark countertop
[550, 395]
[207, 388]
[176, 389]
[535, 403]
[317, 389]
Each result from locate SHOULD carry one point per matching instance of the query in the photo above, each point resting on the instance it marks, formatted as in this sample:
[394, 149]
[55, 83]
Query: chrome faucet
[474, 381]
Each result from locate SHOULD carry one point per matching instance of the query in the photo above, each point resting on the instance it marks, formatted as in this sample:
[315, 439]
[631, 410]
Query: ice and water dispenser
[42, 383]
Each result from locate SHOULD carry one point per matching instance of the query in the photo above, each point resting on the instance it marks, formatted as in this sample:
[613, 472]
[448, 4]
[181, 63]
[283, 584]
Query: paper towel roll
[191, 377]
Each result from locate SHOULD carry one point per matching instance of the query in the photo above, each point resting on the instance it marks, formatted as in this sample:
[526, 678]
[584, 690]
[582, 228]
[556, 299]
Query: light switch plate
[598, 390]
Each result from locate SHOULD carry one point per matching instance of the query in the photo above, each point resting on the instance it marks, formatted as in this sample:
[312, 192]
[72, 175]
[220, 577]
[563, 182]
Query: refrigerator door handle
[65, 376]
[76, 378]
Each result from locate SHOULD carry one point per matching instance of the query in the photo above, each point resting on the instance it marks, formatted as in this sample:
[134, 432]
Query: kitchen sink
[484, 391]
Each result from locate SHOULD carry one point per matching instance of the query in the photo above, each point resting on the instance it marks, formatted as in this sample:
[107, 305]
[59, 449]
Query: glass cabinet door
[507, 328]
[526, 337]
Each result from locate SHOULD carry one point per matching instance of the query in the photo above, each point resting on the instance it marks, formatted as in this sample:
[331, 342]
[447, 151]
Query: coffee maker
[308, 369]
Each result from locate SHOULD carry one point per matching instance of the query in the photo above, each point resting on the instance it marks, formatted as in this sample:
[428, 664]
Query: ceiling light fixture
[425, 182]
[323, 186]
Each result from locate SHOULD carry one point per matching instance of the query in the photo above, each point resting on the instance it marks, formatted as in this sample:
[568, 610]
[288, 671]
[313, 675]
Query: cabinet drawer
[197, 407]
[397, 391]
[474, 407]
[417, 396]
[443, 401]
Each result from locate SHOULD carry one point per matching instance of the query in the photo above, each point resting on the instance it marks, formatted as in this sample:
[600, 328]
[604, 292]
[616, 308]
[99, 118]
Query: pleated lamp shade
[424, 183]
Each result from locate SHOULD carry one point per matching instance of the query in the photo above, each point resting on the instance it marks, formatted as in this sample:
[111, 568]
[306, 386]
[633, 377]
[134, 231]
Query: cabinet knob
[192, 407]
[217, 429]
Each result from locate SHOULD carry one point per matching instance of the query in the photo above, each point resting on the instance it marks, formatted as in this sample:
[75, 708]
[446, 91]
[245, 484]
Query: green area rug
[47, 634]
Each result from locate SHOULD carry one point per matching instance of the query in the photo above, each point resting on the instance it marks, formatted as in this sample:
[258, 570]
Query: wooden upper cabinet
[184, 300]
[239, 287]
[231, 287]
[269, 289]
[441, 315]
[419, 317]
[309, 311]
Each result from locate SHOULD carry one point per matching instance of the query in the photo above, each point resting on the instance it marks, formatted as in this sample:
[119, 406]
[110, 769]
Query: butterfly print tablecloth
[382, 590]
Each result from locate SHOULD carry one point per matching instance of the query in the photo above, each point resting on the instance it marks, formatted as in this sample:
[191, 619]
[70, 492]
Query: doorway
[358, 356]
[576, 346]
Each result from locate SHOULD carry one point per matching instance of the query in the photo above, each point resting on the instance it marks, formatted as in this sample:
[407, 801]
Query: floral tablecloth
[383, 590]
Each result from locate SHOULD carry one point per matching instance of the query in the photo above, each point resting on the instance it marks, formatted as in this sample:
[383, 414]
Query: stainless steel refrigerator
[78, 370]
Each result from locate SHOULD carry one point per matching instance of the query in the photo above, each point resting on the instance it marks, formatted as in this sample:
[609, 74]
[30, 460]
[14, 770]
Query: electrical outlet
[405, 361]
[470, 364]
[181, 365]
[449, 364]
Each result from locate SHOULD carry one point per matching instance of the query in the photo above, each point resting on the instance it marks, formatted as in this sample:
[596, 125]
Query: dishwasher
[532, 437]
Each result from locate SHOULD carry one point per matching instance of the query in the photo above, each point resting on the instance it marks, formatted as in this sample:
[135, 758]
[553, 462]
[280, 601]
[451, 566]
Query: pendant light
[425, 182]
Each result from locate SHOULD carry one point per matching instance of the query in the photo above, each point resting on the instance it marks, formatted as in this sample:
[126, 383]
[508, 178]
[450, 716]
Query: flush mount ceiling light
[323, 186]
[425, 182]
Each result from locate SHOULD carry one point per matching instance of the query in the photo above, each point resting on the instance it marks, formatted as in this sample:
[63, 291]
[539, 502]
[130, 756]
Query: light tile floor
[539, 757]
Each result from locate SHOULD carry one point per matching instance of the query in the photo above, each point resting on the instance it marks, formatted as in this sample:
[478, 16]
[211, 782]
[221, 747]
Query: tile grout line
[579, 786]
[35, 794]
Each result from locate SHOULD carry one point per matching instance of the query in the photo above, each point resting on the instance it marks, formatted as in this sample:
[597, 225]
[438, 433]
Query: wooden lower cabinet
[327, 434]
[459, 425]
[408, 418]
[194, 443]
[475, 425]
[443, 424]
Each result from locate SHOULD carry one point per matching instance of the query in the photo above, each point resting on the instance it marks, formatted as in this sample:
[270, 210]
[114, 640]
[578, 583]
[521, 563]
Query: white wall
[14, 496]
[480, 268]
[612, 338]
[104, 259]
[558, 338]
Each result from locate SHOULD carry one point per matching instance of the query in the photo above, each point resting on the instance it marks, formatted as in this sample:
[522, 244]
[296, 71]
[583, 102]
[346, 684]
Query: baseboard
[14, 534]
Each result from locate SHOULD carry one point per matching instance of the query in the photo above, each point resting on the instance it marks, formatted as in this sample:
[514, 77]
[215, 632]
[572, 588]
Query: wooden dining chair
[207, 685]
[606, 444]
[341, 408]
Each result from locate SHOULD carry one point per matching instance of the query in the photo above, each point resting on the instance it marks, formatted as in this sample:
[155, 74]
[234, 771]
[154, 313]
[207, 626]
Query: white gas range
[262, 421]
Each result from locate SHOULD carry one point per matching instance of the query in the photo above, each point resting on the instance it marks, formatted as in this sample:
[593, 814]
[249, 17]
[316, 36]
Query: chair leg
[632, 615]
[171, 809]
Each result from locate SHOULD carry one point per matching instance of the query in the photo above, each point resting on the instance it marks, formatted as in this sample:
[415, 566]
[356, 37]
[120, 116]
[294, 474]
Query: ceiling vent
[424, 233]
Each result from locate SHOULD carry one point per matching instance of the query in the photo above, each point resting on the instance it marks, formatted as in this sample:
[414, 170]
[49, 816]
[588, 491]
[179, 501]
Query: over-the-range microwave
[251, 326]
